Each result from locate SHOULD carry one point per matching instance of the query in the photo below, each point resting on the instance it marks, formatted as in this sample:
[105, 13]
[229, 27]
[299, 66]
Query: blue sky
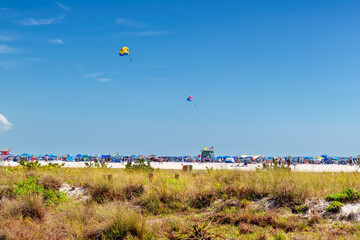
[268, 77]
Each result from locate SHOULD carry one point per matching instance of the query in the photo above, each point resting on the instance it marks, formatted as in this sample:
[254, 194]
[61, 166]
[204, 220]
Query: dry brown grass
[121, 205]
[51, 182]
[28, 206]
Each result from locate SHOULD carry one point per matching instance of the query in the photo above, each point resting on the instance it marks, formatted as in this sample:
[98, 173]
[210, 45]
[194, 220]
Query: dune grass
[169, 204]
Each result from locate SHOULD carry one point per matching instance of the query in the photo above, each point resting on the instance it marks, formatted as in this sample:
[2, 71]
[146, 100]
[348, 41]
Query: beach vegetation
[301, 208]
[139, 165]
[96, 164]
[349, 195]
[32, 186]
[35, 165]
[106, 203]
[334, 207]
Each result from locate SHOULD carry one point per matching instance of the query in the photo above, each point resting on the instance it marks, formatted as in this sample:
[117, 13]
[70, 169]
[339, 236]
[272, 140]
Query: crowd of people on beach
[323, 159]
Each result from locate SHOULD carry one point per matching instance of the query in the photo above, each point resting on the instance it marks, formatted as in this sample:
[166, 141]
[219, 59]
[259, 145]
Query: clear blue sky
[268, 77]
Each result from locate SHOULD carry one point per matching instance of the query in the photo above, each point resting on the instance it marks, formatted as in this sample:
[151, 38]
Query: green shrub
[29, 165]
[334, 207]
[139, 165]
[96, 164]
[349, 195]
[31, 185]
[51, 166]
[54, 197]
[35, 165]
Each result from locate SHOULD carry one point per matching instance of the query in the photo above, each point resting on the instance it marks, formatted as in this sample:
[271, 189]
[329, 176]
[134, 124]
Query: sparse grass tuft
[120, 222]
[29, 205]
[300, 208]
[50, 182]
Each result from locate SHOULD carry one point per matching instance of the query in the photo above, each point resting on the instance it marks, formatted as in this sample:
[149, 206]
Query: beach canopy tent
[70, 158]
[25, 155]
[52, 156]
[229, 160]
[79, 155]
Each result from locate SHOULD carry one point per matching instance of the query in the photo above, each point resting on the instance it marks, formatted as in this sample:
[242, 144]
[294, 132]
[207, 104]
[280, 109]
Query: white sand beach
[218, 166]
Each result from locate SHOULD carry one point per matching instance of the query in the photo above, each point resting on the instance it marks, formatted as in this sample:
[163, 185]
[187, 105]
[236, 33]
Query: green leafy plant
[29, 165]
[31, 186]
[334, 207]
[349, 195]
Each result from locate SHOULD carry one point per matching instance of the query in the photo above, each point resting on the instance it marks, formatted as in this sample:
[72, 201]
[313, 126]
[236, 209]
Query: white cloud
[5, 125]
[6, 49]
[63, 6]
[103, 79]
[147, 33]
[37, 22]
[93, 75]
[97, 75]
[6, 38]
[129, 22]
[56, 41]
